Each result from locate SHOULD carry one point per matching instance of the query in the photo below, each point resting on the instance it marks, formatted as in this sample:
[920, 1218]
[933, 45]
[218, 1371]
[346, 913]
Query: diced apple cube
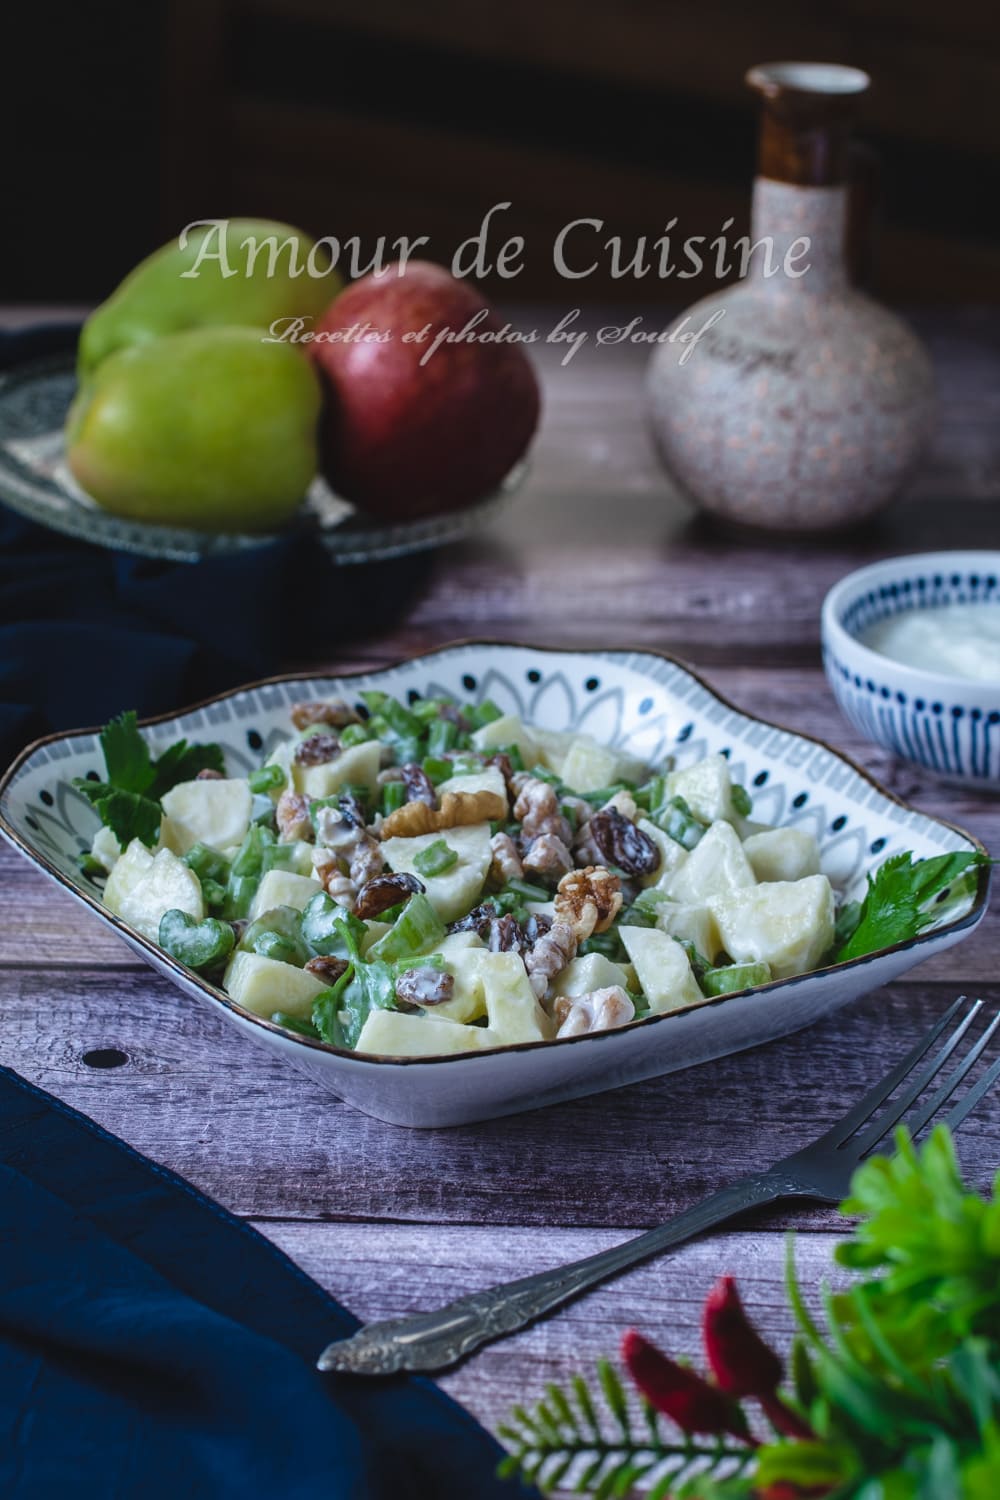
[588, 766]
[454, 892]
[662, 968]
[672, 854]
[489, 779]
[142, 886]
[507, 730]
[105, 848]
[706, 787]
[391, 1033]
[782, 854]
[265, 985]
[511, 1005]
[373, 931]
[358, 765]
[461, 952]
[593, 971]
[695, 924]
[216, 813]
[552, 746]
[283, 755]
[282, 888]
[787, 924]
[716, 864]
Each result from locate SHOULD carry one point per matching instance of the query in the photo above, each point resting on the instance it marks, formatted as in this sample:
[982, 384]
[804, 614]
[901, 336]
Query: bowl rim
[935, 684]
[190, 978]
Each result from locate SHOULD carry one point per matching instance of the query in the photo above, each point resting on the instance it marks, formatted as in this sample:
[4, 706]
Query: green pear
[211, 428]
[243, 271]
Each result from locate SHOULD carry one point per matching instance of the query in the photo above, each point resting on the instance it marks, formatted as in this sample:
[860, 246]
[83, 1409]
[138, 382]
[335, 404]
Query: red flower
[741, 1362]
[680, 1393]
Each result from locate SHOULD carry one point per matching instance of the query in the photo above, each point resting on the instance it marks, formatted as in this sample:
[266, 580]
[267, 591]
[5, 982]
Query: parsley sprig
[901, 901]
[128, 800]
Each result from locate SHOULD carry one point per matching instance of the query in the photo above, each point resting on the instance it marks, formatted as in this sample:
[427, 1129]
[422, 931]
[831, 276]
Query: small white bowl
[948, 725]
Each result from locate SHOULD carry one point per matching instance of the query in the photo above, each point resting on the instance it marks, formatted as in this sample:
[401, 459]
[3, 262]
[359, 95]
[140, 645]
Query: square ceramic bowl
[948, 725]
[646, 703]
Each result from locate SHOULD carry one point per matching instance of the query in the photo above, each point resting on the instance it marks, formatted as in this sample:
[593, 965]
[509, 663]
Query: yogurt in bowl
[911, 647]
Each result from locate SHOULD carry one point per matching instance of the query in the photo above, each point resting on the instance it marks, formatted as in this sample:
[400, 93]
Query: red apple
[419, 424]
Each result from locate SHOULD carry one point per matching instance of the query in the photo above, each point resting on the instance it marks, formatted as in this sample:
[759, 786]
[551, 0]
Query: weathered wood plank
[387, 1270]
[249, 1130]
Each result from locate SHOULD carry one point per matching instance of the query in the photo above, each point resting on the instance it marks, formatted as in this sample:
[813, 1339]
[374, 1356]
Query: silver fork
[820, 1171]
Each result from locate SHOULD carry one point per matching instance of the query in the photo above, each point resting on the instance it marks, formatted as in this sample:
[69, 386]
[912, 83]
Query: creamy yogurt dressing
[953, 640]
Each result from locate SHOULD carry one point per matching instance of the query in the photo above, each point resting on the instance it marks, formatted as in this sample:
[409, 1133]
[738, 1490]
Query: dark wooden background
[390, 117]
[596, 549]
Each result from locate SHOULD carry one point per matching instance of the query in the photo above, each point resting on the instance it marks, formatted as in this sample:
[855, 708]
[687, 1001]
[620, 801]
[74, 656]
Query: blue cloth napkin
[85, 632]
[153, 1346]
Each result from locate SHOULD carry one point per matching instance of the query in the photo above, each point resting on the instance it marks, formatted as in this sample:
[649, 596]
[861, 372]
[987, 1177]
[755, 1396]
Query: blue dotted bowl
[948, 725]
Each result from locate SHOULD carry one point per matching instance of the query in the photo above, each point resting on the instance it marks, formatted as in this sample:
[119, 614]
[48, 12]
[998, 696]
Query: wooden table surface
[595, 550]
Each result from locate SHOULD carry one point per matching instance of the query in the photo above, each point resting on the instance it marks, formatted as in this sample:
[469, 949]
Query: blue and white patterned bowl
[641, 701]
[948, 725]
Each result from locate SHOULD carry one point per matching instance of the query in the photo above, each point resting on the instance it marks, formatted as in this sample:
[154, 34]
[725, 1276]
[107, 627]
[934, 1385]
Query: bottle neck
[798, 235]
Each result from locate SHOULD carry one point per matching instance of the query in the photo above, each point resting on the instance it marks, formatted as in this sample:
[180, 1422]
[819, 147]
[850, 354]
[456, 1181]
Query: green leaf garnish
[128, 800]
[899, 902]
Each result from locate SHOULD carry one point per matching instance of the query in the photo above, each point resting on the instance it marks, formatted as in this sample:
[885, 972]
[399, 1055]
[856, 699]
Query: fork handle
[430, 1341]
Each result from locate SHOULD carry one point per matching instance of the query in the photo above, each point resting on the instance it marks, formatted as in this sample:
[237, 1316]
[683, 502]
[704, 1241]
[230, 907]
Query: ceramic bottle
[805, 404]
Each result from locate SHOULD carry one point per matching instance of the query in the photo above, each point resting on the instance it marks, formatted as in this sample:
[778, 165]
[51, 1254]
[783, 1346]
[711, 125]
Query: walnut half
[601, 1010]
[456, 811]
[588, 900]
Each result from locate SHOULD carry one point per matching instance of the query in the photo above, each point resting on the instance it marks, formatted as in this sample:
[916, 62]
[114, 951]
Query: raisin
[317, 750]
[418, 785]
[621, 843]
[424, 987]
[329, 968]
[377, 895]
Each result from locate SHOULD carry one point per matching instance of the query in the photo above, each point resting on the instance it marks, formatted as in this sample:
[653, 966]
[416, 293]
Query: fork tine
[850, 1122]
[917, 1121]
[897, 1109]
[972, 1098]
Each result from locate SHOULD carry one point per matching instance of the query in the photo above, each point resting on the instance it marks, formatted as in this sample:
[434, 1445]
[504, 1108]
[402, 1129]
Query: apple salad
[432, 878]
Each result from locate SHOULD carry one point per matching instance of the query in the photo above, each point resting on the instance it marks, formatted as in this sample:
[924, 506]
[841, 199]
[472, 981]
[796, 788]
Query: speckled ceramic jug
[805, 404]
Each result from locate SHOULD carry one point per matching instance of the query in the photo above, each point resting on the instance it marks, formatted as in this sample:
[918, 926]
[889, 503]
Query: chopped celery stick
[273, 945]
[607, 943]
[428, 709]
[393, 796]
[526, 891]
[638, 915]
[742, 800]
[652, 795]
[354, 734]
[267, 779]
[436, 769]
[199, 945]
[249, 860]
[435, 859]
[213, 892]
[441, 736]
[513, 754]
[240, 891]
[207, 864]
[726, 981]
[416, 929]
[483, 713]
[604, 793]
[679, 822]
